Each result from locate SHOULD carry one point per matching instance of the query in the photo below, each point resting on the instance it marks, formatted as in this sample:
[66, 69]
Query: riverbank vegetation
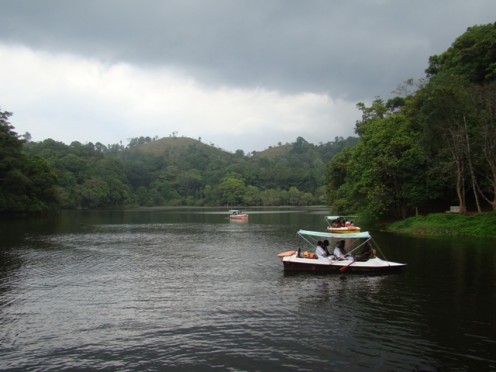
[452, 224]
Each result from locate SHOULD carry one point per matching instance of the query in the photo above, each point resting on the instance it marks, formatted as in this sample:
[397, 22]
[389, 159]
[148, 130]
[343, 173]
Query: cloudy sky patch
[239, 74]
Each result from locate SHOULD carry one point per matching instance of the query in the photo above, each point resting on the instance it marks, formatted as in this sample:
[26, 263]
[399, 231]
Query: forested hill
[160, 172]
[184, 171]
[195, 173]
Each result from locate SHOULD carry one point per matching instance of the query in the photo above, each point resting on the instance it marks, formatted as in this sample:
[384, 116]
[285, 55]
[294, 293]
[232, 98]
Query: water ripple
[212, 296]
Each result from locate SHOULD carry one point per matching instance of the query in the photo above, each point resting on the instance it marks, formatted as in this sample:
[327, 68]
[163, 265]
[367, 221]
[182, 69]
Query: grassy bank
[477, 225]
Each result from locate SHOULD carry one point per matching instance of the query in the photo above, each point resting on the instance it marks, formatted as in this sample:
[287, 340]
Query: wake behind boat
[358, 254]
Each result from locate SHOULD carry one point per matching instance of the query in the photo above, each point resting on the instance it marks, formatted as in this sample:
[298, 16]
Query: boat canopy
[319, 234]
[333, 218]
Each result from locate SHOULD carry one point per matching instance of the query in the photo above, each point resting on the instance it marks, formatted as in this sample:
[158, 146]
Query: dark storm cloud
[352, 49]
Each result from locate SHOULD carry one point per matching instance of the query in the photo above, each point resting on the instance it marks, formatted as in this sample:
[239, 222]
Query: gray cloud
[351, 49]
[243, 74]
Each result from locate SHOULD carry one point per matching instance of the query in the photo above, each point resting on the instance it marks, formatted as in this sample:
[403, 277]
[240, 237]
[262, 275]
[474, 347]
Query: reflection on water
[156, 289]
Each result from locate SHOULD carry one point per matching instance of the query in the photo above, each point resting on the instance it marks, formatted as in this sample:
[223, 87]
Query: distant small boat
[237, 214]
[341, 225]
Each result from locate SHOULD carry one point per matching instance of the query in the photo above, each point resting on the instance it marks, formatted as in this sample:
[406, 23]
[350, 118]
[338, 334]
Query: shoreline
[447, 224]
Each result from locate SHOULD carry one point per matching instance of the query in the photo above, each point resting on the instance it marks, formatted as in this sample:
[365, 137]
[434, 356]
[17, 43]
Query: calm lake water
[166, 289]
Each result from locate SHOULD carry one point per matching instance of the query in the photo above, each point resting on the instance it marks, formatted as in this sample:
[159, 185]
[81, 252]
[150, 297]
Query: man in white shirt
[340, 252]
[321, 251]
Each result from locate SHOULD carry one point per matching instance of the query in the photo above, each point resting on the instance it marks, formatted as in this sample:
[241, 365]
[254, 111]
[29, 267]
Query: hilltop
[175, 147]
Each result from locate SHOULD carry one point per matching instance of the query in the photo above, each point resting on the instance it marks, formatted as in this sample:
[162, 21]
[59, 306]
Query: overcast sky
[239, 74]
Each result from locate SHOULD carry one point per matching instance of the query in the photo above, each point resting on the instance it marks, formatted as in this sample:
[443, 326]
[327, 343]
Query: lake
[186, 289]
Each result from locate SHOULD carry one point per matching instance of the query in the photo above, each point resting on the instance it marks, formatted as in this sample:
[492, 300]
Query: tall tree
[454, 104]
[472, 56]
[382, 176]
[26, 183]
[232, 189]
[485, 99]
[446, 119]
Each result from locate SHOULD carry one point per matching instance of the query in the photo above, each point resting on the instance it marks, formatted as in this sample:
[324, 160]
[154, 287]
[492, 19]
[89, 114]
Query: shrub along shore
[448, 224]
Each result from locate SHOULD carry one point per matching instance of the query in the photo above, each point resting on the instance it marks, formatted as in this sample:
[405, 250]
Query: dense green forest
[431, 146]
[26, 182]
[170, 171]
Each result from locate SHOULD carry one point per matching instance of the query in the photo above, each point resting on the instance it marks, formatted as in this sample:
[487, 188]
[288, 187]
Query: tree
[231, 189]
[471, 56]
[339, 193]
[379, 177]
[26, 183]
[485, 99]
[442, 112]
[42, 180]
[252, 196]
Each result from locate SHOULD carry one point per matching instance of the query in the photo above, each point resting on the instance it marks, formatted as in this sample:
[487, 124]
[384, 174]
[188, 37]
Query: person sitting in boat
[340, 252]
[326, 248]
[321, 250]
[368, 252]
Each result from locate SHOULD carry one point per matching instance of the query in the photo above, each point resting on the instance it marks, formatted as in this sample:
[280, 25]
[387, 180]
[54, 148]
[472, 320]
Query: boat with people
[237, 214]
[341, 224]
[353, 252]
